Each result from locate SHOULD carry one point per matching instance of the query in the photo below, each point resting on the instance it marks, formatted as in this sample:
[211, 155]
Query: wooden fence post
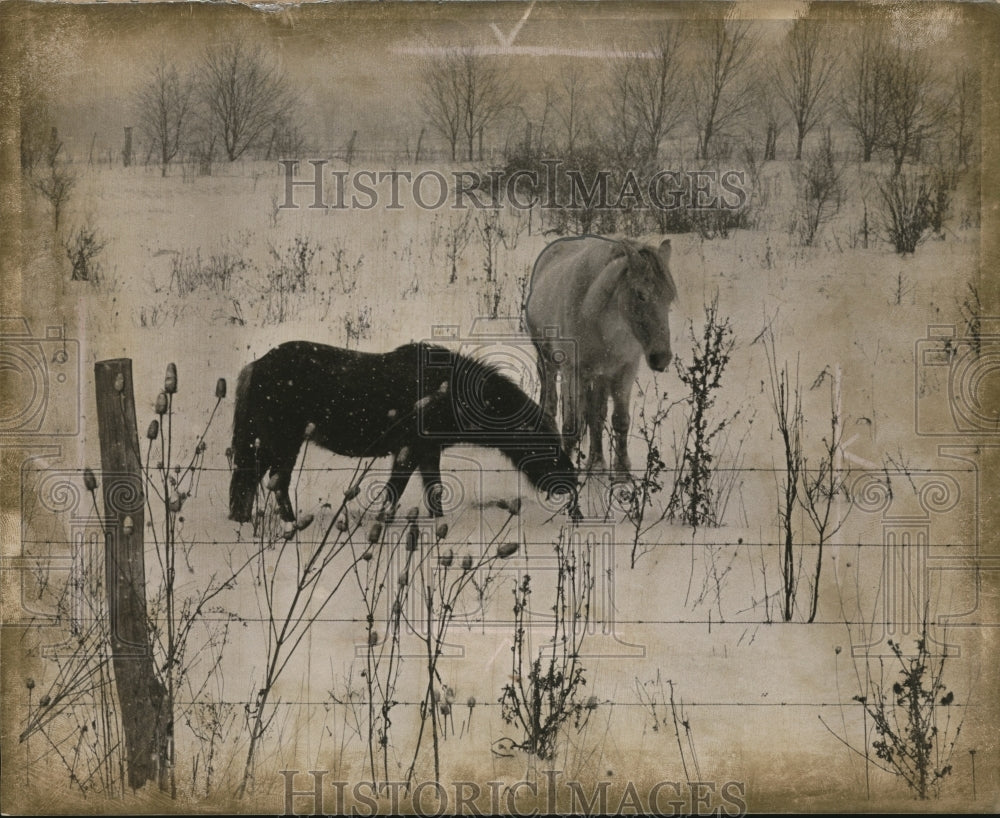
[140, 693]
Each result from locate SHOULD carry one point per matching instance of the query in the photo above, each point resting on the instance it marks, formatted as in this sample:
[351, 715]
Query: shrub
[912, 204]
[82, 249]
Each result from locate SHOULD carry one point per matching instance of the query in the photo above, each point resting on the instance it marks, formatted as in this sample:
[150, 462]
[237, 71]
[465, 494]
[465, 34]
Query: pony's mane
[485, 372]
[653, 260]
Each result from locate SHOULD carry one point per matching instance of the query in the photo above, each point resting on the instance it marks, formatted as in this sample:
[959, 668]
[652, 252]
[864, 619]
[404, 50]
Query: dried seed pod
[128, 525]
[352, 492]
[467, 562]
[45, 701]
[119, 382]
[288, 531]
[592, 703]
[367, 555]
[273, 481]
[375, 532]
[29, 683]
[513, 506]
[404, 580]
[220, 388]
[373, 639]
[446, 558]
[161, 404]
[89, 480]
[412, 513]
[470, 702]
[170, 380]
[412, 537]
[176, 500]
[442, 531]
[507, 549]
[341, 524]
[449, 694]
[256, 443]
[446, 709]
[310, 431]
[154, 429]
[304, 521]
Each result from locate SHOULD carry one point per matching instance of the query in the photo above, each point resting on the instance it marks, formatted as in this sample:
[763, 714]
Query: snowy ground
[762, 699]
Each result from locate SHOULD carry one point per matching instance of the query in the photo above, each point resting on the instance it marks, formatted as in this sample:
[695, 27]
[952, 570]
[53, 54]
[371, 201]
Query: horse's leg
[403, 464]
[282, 468]
[430, 472]
[597, 410]
[547, 372]
[621, 416]
[573, 396]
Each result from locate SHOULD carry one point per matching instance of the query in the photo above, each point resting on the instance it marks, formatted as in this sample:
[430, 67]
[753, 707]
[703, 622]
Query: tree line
[720, 83]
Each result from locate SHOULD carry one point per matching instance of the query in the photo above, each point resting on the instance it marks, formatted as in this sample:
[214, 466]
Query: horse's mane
[477, 371]
[652, 259]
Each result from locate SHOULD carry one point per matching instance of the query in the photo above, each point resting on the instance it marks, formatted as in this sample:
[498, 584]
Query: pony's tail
[246, 468]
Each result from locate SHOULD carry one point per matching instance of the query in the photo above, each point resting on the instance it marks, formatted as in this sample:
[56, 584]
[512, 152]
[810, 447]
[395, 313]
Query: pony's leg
[281, 492]
[573, 396]
[597, 410]
[621, 416]
[430, 472]
[547, 372]
[282, 466]
[403, 464]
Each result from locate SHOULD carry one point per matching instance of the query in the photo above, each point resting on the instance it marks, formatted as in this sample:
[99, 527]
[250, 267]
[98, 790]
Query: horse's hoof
[597, 466]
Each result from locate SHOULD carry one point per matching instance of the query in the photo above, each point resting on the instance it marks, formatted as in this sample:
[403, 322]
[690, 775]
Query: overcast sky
[355, 66]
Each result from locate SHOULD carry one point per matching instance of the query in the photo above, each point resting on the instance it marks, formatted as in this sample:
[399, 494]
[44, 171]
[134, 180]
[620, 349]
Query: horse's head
[648, 293]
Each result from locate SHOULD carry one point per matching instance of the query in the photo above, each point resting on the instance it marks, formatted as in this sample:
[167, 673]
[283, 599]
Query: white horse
[597, 306]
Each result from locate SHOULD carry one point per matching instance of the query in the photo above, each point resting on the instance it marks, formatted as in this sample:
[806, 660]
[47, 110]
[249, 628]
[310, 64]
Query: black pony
[410, 403]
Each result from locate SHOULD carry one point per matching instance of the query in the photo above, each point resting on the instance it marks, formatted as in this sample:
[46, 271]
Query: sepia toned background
[169, 240]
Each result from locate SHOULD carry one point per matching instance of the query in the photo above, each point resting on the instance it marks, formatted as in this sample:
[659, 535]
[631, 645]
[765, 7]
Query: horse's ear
[664, 252]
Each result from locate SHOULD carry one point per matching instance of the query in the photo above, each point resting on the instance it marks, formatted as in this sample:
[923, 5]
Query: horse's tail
[246, 468]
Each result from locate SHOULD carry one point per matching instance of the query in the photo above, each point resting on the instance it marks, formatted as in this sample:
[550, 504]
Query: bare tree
[862, 101]
[648, 95]
[805, 67]
[623, 127]
[245, 94]
[720, 85]
[442, 99]
[464, 93]
[487, 91]
[963, 117]
[286, 138]
[164, 110]
[57, 182]
[571, 111]
[768, 114]
[913, 110]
